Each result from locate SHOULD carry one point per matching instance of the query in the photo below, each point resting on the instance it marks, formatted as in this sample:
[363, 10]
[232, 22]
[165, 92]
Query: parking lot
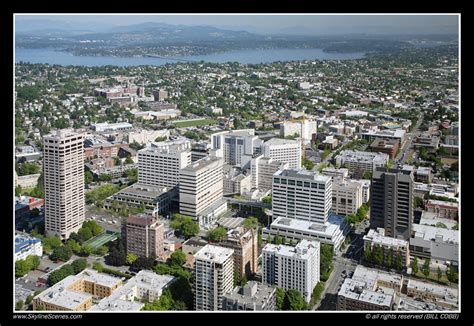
[106, 220]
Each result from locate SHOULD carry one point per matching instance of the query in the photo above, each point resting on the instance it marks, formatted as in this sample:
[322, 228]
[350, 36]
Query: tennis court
[102, 239]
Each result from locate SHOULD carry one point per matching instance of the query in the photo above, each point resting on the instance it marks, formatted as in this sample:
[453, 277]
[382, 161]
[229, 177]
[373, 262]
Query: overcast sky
[371, 24]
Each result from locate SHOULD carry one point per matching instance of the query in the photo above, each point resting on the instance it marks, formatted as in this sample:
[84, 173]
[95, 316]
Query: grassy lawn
[194, 123]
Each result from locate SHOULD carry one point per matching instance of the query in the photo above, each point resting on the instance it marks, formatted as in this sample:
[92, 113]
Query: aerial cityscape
[236, 163]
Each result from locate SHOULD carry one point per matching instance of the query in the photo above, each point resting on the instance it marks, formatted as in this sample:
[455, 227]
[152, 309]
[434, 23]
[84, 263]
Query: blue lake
[242, 56]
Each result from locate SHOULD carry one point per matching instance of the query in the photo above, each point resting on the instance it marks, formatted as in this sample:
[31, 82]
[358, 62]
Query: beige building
[143, 236]
[262, 170]
[75, 292]
[346, 196]
[245, 246]
[214, 277]
[159, 165]
[377, 237]
[63, 166]
[201, 189]
[284, 150]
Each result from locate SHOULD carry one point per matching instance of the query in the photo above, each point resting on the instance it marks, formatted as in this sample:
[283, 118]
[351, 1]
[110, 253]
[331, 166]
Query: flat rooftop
[303, 249]
[142, 191]
[214, 254]
[59, 294]
[357, 290]
[429, 233]
[281, 141]
[376, 237]
[330, 229]
[252, 292]
[202, 163]
[302, 174]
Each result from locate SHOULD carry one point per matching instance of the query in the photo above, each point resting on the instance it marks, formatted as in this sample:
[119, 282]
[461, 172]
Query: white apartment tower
[214, 277]
[301, 194]
[201, 186]
[63, 168]
[292, 267]
[284, 150]
[159, 165]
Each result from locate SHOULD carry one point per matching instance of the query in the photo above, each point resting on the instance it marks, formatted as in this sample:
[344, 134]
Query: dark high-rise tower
[392, 202]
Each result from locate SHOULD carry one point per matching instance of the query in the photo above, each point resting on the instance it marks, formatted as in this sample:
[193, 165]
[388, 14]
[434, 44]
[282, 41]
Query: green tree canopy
[217, 234]
[294, 300]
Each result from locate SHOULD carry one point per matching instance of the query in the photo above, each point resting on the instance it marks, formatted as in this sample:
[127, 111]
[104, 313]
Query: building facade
[143, 236]
[346, 197]
[284, 150]
[63, 168]
[392, 202]
[214, 277]
[201, 186]
[301, 194]
[292, 267]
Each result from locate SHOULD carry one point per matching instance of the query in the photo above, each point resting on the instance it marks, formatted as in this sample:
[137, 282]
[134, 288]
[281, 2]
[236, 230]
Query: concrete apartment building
[201, 190]
[143, 236]
[284, 150]
[392, 202]
[346, 197]
[236, 147]
[365, 189]
[245, 245]
[75, 292]
[160, 165]
[301, 194]
[398, 246]
[292, 267]
[63, 170]
[361, 161]
[214, 277]
[389, 147]
[253, 296]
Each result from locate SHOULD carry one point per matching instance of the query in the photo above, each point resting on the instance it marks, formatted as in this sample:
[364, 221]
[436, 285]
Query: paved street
[403, 155]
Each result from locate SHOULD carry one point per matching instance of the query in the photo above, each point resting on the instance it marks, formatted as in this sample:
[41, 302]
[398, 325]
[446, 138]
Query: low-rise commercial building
[389, 147]
[443, 209]
[439, 244]
[443, 296]
[332, 232]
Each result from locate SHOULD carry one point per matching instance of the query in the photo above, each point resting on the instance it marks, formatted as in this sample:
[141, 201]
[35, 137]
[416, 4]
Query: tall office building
[236, 147]
[292, 267]
[201, 188]
[214, 277]
[143, 236]
[301, 194]
[392, 202]
[284, 150]
[63, 168]
[159, 165]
